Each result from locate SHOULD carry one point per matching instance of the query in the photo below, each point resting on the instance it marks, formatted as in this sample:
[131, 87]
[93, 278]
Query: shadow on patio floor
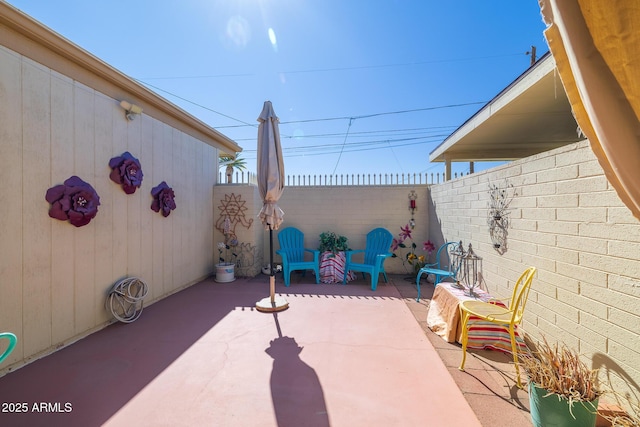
[342, 355]
[488, 382]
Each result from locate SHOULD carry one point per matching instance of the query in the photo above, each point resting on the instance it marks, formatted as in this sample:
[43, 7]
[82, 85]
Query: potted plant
[331, 242]
[225, 269]
[332, 258]
[563, 390]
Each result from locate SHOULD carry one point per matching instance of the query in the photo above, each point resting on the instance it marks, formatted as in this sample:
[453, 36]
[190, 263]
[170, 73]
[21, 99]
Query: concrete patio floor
[338, 356]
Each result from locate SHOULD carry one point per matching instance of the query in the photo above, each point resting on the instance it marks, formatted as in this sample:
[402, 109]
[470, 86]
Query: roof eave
[56, 52]
[446, 151]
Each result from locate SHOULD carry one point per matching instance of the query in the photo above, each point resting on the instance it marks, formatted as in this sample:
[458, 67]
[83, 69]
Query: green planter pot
[553, 410]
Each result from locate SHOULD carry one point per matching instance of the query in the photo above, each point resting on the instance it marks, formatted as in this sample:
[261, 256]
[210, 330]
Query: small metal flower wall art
[75, 201]
[163, 199]
[498, 216]
[126, 171]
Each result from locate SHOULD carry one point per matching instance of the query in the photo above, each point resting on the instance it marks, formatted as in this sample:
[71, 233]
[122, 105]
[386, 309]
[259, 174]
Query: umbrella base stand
[272, 303]
[266, 306]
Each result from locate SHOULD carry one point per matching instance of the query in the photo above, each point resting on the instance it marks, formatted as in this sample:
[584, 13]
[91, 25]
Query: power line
[314, 120]
[430, 138]
[366, 67]
[364, 134]
[315, 70]
[343, 145]
[324, 70]
[395, 157]
[367, 116]
[369, 143]
[349, 148]
[196, 104]
[213, 76]
[244, 124]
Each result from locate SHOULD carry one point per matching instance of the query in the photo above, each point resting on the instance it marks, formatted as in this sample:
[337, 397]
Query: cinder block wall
[351, 211]
[567, 221]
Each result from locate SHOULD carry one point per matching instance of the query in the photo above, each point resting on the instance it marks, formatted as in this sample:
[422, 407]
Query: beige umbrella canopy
[270, 168]
[271, 186]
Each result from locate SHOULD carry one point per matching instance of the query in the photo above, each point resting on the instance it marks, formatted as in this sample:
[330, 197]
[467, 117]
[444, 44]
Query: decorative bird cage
[470, 273]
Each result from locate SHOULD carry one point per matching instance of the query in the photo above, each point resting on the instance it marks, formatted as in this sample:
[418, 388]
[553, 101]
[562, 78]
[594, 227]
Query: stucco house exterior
[60, 116]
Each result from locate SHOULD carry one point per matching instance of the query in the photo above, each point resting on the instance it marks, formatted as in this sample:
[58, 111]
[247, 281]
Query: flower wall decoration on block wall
[163, 199]
[126, 171]
[498, 215]
[75, 201]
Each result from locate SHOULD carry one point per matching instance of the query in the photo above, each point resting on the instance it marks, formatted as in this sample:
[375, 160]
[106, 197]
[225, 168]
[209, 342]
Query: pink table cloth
[443, 318]
[332, 268]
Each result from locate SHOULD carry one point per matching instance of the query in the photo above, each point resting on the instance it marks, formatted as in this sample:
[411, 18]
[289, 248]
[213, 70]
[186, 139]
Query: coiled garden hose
[125, 300]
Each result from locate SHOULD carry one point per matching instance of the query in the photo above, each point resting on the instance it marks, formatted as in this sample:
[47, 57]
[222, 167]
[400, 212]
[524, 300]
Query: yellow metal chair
[490, 312]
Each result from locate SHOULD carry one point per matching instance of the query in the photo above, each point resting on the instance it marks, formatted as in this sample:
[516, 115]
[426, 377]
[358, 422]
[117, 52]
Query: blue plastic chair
[292, 251]
[376, 251]
[12, 343]
[443, 267]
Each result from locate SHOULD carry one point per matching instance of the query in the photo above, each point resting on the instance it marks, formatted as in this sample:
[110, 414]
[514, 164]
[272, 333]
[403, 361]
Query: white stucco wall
[54, 277]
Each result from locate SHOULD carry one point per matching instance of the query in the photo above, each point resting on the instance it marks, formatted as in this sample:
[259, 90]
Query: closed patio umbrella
[271, 186]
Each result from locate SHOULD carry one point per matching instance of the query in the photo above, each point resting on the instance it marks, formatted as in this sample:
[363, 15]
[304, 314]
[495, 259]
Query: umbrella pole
[272, 272]
[272, 303]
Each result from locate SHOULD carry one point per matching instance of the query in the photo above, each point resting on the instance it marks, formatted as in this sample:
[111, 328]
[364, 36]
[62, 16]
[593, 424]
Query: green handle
[13, 340]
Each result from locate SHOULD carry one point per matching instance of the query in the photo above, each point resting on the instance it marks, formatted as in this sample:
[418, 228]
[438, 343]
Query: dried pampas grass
[559, 370]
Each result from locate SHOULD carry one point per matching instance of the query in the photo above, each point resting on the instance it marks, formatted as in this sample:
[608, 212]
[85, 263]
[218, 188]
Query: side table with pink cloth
[332, 268]
[444, 320]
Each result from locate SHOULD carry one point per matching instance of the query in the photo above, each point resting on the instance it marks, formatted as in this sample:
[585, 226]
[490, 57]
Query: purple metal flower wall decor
[163, 199]
[126, 171]
[75, 200]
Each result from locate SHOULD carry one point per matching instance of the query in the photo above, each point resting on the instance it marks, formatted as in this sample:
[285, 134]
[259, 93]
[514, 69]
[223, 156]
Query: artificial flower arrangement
[228, 246]
[404, 240]
[229, 251]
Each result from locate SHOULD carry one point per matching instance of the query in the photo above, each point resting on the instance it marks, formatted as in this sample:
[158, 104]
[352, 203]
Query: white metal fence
[243, 177]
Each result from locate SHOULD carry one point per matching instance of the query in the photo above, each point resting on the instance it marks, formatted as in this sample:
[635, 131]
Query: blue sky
[359, 86]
